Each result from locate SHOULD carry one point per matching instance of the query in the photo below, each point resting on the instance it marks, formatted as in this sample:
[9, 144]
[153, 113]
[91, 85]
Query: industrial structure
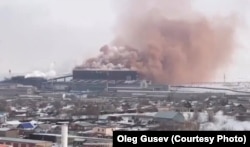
[105, 83]
[64, 135]
[32, 81]
[83, 74]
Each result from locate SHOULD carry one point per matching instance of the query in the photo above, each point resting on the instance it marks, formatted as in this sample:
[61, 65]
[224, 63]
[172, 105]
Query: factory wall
[33, 81]
[104, 75]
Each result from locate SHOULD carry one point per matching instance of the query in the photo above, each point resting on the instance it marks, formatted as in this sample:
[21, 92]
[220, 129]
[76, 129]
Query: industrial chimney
[64, 137]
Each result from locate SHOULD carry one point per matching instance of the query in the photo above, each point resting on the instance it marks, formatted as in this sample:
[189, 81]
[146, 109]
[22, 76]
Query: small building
[169, 116]
[243, 117]
[26, 126]
[169, 119]
[81, 126]
[85, 143]
[8, 132]
[104, 131]
[4, 145]
[97, 144]
[11, 124]
[43, 128]
[239, 108]
[3, 117]
[18, 142]
[78, 142]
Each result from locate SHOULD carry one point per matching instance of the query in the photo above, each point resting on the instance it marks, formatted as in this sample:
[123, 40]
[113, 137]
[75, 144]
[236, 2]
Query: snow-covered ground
[221, 121]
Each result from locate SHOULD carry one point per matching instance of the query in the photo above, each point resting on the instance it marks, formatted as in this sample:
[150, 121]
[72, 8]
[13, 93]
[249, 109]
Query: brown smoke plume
[168, 42]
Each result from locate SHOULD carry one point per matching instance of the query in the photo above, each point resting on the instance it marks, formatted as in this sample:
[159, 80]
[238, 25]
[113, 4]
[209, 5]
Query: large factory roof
[94, 69]
[109, 81]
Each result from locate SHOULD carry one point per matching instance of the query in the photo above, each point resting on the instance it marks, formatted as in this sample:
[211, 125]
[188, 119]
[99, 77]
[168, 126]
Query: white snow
[45, 108]
[14, 122]
[68, 107]
[223, 122]
[201, 118]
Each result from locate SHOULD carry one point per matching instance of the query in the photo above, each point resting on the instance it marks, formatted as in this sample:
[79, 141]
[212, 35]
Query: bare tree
[196, 115]
[92, 110]
[191, 126]
[189, 117]
[144, 102]
[210, 117]
[3, 106]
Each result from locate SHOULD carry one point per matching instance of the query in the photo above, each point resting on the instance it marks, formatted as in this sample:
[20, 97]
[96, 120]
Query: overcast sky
[35, 33]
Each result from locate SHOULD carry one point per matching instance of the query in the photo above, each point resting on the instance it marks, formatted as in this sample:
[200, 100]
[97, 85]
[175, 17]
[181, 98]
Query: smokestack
[64, 138]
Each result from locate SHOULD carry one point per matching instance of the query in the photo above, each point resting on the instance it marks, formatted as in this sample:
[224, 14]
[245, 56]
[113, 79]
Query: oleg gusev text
[180, 139]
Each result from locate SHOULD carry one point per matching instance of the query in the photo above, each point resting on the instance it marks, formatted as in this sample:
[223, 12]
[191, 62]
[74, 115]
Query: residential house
[114, 118]
[81, 126]
[107, 108]
[93, 144]
[240, 108]
[11, 124]
[78, 142]
[26, 128]
[243, 117]
[104, 131]
[3, 118]
[55, 129]
[8, 132]
[43, 128]
[149, 108]
[169, 119]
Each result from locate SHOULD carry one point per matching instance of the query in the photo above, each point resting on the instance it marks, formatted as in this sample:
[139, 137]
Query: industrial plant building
[104, 83]
[127, 75]
[117, 83]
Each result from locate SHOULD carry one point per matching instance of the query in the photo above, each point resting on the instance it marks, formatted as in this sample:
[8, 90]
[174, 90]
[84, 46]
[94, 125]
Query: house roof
[4, 129]
[176, 116]
[26, 125]
[166, 114]
[44, 126]
[84, 124]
